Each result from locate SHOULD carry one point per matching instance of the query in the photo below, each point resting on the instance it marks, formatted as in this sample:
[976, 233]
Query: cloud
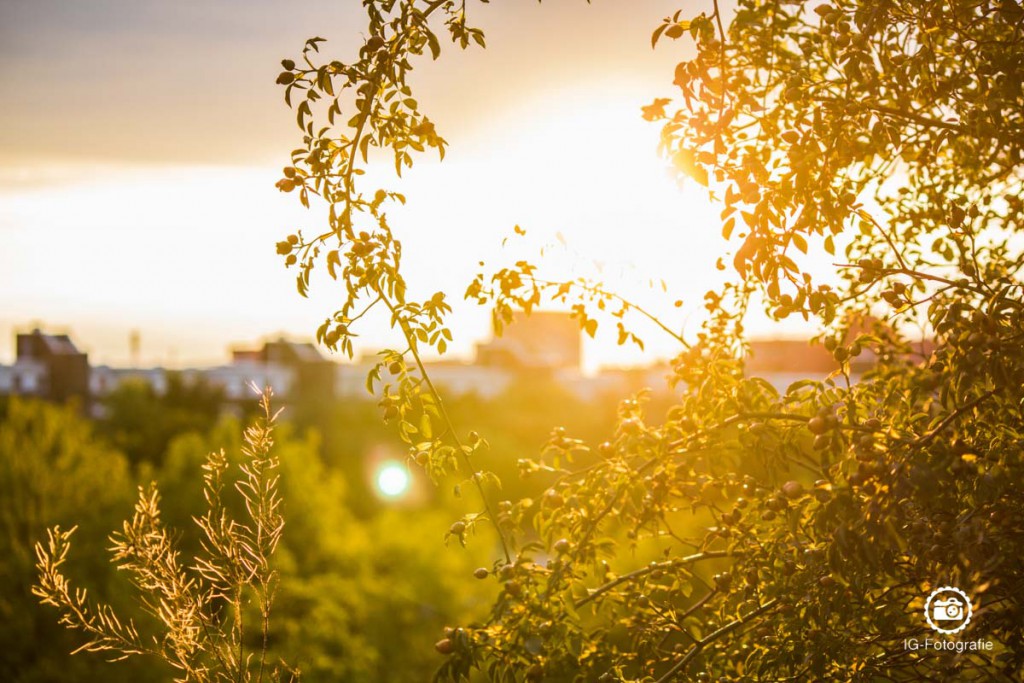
[192, 81]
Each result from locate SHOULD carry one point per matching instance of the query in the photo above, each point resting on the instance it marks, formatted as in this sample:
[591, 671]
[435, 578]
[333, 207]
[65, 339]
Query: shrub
[211, 615]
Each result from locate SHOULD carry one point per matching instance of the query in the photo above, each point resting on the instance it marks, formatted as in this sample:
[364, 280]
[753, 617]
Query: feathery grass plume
[199, 607]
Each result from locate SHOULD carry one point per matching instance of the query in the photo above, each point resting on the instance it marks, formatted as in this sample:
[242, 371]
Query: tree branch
[713, 636]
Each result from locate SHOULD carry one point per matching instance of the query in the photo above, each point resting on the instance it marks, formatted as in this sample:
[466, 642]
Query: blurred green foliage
[366, 584]
[53, 470]
[141, 422]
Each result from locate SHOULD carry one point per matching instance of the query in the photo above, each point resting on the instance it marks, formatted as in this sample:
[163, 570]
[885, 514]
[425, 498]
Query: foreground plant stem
[410, 338]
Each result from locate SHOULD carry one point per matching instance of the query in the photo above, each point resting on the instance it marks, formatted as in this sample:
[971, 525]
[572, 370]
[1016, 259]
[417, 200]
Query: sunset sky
[140, 142]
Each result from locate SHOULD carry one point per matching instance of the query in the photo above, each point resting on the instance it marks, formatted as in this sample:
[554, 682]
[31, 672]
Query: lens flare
[393, 480]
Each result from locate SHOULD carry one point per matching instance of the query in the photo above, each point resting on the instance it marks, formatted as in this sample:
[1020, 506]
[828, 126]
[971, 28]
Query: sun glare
[579, 172]
[393, 479]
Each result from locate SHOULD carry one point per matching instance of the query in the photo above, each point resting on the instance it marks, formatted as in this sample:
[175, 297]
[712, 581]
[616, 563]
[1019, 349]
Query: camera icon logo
[948, 610]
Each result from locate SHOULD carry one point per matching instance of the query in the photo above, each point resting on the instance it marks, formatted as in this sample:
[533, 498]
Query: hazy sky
[192, 81]
[140, 141]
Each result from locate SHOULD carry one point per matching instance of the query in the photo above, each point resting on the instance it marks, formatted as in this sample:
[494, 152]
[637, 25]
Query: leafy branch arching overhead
[752, 534]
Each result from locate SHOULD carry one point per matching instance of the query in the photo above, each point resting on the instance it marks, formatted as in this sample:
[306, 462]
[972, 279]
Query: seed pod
[817, 425]
[792, 489]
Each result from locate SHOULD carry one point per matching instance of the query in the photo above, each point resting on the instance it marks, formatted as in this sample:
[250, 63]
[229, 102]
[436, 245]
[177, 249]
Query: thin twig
[670, 564]
[713, 636]
[952, 417]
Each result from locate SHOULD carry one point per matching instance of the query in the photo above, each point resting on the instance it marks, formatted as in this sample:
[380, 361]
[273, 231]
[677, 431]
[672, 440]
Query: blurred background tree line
[366, 583]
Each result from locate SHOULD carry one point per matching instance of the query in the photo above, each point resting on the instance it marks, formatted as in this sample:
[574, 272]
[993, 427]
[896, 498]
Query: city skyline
[122, 353]
[544, 347]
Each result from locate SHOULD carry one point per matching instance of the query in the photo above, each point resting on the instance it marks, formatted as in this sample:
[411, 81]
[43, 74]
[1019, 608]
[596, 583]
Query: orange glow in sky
[152, 206]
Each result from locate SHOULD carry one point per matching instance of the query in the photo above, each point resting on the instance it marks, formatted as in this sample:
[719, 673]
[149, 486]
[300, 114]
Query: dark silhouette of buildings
[313, 376]
[545, 345]
[47, 366]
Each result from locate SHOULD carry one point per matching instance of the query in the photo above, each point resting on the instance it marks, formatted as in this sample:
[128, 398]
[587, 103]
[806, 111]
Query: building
[104, 379]
[544, 347]
[50, 366]
[542, 340]
[47, 366]
[466, 379]
[25, 378]
[292, 369]
[788, 356]
[785, 361]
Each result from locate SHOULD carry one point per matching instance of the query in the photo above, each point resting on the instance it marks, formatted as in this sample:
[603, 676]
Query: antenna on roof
[134, 347]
